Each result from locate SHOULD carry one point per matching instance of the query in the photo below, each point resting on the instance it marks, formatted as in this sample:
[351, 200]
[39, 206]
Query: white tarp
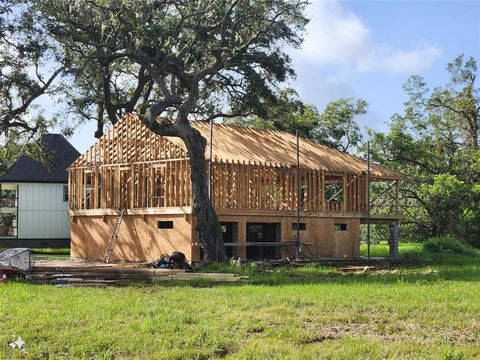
[18, 258]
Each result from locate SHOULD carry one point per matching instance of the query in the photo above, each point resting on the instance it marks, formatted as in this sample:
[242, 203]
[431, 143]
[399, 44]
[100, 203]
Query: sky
[368, 49]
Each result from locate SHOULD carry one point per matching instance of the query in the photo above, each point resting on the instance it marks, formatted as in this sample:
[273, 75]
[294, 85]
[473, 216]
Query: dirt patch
[331, 334]
[396, 332]
[256, 330]
[470, 334]
[360, 330]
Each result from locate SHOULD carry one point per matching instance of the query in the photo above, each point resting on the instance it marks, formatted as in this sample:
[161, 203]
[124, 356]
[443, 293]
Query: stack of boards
[115, 275]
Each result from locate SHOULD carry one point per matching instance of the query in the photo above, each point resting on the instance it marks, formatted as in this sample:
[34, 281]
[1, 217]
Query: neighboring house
[34, 198]
[253, 189]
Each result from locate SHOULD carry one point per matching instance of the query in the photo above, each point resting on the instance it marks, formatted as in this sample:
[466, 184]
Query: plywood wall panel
[139, 238]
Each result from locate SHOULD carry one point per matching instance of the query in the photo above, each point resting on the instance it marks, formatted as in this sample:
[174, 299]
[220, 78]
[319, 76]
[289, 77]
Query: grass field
[427, 311]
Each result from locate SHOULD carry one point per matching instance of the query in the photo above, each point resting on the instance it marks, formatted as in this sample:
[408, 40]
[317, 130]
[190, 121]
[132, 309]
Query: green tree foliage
[336, 126]
[102, 89]
[8, 154]
[286, 113]
[23, 77]
[435, 143]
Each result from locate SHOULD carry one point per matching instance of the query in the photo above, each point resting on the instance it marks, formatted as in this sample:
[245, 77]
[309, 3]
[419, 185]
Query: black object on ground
[176, 260]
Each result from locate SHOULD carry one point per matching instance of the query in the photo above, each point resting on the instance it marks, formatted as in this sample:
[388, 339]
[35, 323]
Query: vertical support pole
[393, 241]
[210, 144]
[17, 196]
[298, 244]
[368, 200]
[210, 173]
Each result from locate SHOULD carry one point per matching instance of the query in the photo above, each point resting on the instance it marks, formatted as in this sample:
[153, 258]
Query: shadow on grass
[442, 268]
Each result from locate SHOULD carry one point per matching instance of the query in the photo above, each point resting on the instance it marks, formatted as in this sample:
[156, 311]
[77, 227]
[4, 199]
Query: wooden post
[322, 184]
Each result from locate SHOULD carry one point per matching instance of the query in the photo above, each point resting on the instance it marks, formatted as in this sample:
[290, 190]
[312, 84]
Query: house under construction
[254, 190]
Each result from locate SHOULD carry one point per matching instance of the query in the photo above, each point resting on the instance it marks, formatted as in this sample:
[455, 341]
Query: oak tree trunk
[207, 224]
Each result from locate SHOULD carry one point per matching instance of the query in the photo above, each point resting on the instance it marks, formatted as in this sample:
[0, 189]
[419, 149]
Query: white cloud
[404, 61]
[336, 36]
[333, 35]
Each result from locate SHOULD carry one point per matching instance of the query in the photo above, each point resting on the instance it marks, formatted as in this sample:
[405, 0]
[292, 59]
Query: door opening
[259, 235]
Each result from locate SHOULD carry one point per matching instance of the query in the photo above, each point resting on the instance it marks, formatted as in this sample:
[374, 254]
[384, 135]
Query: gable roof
[129, 140]
[26, 169]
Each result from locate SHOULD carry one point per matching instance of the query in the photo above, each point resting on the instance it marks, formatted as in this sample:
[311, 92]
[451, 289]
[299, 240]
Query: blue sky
[368, 49]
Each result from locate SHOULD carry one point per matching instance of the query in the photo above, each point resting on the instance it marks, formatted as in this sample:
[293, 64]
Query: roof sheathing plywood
[238, 143]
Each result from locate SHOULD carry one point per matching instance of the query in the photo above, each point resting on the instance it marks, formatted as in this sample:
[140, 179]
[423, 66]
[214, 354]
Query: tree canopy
[24, 72]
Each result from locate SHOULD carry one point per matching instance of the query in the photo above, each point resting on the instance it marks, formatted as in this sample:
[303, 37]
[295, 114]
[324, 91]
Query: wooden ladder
[114, 237]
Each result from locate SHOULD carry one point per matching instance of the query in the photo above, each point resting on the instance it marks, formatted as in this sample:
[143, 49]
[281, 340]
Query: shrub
[446, 244]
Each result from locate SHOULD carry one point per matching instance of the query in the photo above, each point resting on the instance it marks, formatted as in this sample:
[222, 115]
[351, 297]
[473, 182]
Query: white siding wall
[42, 213]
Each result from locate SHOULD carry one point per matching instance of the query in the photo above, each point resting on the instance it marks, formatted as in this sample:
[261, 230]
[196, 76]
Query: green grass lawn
[381, 249]
[429, 311]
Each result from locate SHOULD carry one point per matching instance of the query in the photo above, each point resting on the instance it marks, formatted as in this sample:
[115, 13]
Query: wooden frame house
[253, 188]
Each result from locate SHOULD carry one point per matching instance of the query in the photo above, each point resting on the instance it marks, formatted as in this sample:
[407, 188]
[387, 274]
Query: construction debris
[177, 260]
[356, 269]
[13, 263]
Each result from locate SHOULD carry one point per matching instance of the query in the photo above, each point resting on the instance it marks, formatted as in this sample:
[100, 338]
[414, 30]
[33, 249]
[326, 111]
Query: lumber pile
[115, 275]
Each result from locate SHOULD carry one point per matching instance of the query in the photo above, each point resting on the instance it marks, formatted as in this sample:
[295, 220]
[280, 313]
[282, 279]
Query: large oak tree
[203, 59]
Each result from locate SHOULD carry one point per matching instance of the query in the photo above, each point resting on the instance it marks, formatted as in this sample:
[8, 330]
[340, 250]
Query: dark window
[65, 193]
[165, 224]
[340, 227]
[303, 226]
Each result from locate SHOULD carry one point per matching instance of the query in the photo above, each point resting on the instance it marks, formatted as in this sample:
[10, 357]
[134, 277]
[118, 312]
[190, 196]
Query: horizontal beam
[289, 213]
[182, 210]
[381, 219]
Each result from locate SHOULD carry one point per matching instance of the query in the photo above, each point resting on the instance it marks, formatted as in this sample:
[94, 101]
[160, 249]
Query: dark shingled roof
[27, 169]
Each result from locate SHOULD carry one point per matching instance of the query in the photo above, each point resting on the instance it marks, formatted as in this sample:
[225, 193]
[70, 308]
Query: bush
[446, 244]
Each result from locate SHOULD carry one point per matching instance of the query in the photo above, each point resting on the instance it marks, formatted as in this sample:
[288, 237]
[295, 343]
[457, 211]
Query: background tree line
[435, 142]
